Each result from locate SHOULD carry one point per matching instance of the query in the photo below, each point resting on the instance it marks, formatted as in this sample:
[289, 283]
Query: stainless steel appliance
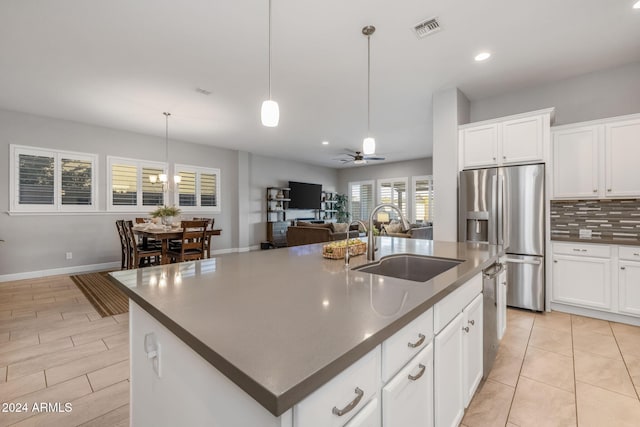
[490, 341]
[505, 206]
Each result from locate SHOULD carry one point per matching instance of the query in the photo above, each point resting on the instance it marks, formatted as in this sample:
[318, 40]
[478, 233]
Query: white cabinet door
[501, 301]
[629, 287]
[575, 163]
[407, 400]
[480, 146]
[369, 416]
[522, 140]
[622, 151]
[448, 394]
[583, 281]
[472, 348]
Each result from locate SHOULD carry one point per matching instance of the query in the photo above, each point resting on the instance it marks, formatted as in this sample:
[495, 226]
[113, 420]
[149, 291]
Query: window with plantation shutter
[131, 187]
[44, 180]
[394, 191]
[360, 200]
[199, 188]
[422, 198]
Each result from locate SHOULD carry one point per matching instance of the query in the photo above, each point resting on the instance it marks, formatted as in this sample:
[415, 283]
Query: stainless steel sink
[410, 267]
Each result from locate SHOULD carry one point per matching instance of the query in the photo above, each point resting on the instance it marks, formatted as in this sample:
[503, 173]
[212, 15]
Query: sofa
[417, 231]
[305, 233]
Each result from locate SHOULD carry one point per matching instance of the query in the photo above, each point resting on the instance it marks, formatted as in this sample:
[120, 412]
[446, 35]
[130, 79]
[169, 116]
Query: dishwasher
[490, 315]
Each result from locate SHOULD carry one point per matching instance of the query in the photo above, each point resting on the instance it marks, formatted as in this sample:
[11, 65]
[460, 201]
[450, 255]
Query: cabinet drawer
[363, 377]
[631, 253]
[445, 310]
[601, 251]
[369, 416]
[406, 343]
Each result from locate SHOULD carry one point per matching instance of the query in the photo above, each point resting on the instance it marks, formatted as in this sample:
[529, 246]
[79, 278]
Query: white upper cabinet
[597, 159]
[509, 140]
[522, 140]
[575, 163]
[622, 151]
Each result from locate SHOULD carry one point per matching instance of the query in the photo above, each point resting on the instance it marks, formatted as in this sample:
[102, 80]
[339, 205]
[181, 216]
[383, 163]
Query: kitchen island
[273, 325]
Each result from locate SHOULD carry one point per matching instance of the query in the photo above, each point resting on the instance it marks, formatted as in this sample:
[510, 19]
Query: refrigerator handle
[504, 220]
[500, 210]
[494, 218]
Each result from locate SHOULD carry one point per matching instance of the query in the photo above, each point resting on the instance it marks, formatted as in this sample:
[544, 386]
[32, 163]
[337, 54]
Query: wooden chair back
[193, 240]
[136, 254]
[124, 244]
[210, 220]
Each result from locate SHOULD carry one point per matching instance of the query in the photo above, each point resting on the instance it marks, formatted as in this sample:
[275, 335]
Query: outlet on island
[69, 255]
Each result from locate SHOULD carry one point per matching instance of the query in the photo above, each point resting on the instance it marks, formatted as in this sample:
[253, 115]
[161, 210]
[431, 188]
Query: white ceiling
[121, 63]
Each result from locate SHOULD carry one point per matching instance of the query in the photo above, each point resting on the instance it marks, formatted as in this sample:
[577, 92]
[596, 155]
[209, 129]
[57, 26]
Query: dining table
[165, 234]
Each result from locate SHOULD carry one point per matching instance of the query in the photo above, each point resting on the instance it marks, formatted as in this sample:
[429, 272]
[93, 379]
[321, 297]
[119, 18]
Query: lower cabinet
[582, 280]
[472, 335]
[407, 400]
[369, 416]
[448, 391]
[629, 287]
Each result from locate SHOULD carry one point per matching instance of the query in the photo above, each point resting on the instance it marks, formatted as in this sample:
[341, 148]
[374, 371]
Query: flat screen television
[304, 196]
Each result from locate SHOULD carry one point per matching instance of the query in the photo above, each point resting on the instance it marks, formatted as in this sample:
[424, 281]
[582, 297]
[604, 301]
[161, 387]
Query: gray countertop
[603, 240]
[280, 323]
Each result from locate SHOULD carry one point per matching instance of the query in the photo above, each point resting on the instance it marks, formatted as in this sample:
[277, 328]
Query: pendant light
[163, 176]
[369, 143]
[270, 112]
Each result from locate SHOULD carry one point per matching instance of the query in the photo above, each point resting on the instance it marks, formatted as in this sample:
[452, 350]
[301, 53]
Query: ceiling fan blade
[353, 152]
[373, 158]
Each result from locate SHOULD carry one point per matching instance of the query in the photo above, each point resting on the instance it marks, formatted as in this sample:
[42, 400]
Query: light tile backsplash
[607, 218]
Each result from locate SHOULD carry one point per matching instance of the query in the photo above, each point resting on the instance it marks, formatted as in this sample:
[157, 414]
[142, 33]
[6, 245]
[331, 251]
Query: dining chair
[191, 244]
[124, 244]
[138, 255]
[207, 240]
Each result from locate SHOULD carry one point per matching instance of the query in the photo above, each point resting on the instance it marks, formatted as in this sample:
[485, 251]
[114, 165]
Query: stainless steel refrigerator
[505, 206]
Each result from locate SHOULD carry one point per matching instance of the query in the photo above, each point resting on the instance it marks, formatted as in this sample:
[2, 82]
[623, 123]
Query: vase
[167, 221]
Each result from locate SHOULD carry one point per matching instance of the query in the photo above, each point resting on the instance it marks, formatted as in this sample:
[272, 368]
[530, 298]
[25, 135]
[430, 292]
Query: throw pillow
[340, 227]
[393, 227]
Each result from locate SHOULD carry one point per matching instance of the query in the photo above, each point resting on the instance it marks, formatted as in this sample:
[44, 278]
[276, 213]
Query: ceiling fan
[358, 158]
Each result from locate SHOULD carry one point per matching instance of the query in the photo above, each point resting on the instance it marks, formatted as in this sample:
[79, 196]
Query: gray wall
[273, 172]
[407, 168]
[39, 242]
[601, 94]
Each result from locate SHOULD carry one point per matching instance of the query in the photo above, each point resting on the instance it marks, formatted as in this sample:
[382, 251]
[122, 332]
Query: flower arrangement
[164, 211]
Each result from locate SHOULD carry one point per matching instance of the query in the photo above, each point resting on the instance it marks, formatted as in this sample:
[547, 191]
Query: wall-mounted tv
[304, 196]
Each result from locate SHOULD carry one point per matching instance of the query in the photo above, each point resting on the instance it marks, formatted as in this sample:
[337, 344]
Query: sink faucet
[346, 249]
[371, 249]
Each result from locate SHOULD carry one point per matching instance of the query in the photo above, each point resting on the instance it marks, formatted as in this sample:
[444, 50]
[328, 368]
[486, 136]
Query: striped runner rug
[103, 295]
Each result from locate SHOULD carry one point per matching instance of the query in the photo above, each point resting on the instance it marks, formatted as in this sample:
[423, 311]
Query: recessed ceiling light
[325, 142]
[637, 5]
[482, 56]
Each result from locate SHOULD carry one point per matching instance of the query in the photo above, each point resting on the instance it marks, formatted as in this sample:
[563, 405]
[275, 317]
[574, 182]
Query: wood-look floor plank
[109, 375]
[37, 324]
[87, 364]
[122, 318]
[85, 408]
[11, 390]
[3, 374]
[117, 417]
[4, 337]
[117, 340]
[27, 352]
[50, 360]
[63, 392]
[99, 333]
[75, 329]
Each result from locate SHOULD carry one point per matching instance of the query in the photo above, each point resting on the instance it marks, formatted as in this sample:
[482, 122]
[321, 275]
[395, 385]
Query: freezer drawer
[525, 282]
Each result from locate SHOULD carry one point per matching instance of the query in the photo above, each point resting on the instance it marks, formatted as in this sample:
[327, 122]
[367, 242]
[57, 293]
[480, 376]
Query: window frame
[198, 170]
[414, 181]
[57, 155]
[140, 165]
[405, 181]
[373, 197]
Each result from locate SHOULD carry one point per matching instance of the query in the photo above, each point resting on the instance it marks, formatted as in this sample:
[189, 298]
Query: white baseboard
[58, 271]
[597, 314]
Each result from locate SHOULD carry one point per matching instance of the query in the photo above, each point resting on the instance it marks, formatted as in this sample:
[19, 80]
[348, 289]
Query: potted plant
[167, 213]
[341, 207]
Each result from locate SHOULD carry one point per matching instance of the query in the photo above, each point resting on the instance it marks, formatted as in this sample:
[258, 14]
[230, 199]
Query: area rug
[103, 295]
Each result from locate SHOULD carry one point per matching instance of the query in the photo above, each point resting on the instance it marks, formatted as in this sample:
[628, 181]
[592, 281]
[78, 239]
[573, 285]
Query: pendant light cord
[368, 85]
[269, 49]
[166, 138]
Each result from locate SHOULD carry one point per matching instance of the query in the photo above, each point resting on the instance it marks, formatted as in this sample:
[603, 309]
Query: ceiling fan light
[270, 113]
[359, 162]
[368, 146]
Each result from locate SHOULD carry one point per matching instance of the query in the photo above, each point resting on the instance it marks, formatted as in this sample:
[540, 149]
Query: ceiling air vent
[426, 27]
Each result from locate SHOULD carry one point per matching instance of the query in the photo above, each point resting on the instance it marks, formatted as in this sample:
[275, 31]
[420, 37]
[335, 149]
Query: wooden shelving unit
[277, 205]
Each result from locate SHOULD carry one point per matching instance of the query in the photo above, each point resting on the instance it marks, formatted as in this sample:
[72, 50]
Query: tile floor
[552, 369]
[556, 369]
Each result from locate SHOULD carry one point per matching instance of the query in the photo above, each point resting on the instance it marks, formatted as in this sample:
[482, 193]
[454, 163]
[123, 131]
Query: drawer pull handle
[466, 329]
[623, 268]
[595, 191]
[472, 322]
[419, 374]
[417, 343]
[635, 254]
[351, 405]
